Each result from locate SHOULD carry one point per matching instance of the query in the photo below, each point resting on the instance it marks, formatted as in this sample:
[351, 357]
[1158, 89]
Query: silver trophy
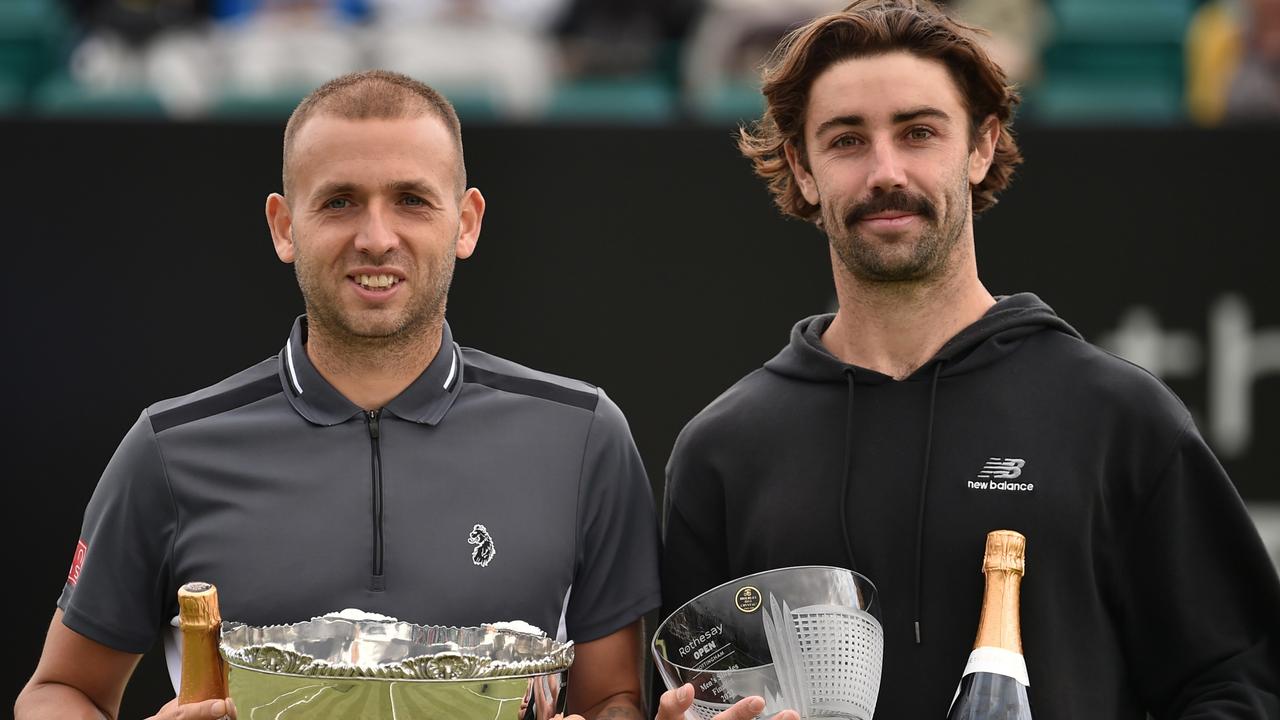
[359, 665]
[803, 638]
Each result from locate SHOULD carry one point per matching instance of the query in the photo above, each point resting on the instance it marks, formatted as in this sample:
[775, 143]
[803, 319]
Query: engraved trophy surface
[803, 638]
[360, 665]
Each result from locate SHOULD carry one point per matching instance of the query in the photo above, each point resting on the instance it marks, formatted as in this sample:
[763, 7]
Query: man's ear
[471, 217]
[984, 149]
[280, 221]
[800, 171]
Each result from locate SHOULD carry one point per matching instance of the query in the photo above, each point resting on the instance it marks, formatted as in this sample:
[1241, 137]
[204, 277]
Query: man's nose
[886, 169]
[377, 234]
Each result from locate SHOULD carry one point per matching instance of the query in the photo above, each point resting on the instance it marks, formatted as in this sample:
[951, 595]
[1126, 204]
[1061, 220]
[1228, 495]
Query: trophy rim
[653, 647]
[229, 647]
[364, 678]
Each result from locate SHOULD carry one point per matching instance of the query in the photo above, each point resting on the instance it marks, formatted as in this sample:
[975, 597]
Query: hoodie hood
[994, 335]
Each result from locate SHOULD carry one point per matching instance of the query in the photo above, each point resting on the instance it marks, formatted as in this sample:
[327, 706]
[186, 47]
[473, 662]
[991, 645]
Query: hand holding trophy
[788, 643]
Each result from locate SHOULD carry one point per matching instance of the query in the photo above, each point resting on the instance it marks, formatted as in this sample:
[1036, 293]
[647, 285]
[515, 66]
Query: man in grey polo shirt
[373, 463]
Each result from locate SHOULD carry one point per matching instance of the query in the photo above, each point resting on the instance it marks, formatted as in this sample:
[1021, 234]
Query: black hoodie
[1146, 589]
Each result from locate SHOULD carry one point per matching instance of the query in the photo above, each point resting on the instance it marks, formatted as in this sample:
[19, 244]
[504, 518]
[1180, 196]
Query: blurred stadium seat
[636, 99]
[1113, 60]
[34, 36]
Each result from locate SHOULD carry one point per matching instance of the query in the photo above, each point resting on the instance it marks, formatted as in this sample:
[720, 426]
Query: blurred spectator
[144, 44]
[625, 38]
[735, 36]
[732, 42]
[1213, 53]
[1017, 31]
[1233, 62]
[285, 46]
[1254, 93]
[495, 51]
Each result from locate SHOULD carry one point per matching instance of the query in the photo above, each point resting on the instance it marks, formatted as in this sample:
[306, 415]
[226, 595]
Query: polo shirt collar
[425, 401]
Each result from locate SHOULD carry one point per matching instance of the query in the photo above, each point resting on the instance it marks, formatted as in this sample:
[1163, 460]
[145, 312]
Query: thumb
[675, 702]
[206, 710]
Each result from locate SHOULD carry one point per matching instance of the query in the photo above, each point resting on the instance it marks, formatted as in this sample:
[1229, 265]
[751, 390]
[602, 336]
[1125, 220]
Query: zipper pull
[373, 423]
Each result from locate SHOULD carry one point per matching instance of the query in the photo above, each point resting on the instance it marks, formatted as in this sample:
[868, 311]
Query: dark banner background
[646, 260]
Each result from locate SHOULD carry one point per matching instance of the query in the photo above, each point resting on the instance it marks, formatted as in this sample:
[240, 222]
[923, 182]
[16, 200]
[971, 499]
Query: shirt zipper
[376, 583]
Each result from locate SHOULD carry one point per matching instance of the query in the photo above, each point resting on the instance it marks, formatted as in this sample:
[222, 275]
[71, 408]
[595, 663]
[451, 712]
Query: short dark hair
[374, 94]
[866, 28]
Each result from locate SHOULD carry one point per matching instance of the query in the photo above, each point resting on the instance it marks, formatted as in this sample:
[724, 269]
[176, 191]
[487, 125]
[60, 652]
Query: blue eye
[337, 204]
[414, 201]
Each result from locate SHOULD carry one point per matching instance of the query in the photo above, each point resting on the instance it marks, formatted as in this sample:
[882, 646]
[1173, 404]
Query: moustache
[896, 200]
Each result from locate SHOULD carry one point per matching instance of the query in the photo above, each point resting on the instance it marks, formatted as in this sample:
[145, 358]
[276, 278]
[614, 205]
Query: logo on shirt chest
[484, 550]
[1002, 474]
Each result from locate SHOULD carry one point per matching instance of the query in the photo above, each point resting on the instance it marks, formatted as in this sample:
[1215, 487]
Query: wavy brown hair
[866, 28]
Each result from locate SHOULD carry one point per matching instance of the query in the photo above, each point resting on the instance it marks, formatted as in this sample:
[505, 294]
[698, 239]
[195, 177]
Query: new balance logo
[997, 473]
[1002, 468]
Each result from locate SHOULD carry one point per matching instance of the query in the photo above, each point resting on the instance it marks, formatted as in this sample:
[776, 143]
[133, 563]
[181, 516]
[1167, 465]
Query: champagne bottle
[203, 675]
[994, 684]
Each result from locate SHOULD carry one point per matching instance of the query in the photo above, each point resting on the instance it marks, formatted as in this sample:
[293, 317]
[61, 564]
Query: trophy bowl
[803, 638]
[359, 665]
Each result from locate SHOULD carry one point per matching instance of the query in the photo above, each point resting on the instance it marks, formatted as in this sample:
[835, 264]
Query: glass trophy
[803, 638]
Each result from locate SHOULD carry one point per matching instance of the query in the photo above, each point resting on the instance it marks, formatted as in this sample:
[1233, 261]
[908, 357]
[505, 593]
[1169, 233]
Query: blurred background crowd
[1208, 62]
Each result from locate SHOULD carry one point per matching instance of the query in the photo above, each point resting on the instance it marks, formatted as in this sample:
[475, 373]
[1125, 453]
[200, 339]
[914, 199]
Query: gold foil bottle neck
[198, 606]
[1006, 550]
[1003, 563]
[204, 676]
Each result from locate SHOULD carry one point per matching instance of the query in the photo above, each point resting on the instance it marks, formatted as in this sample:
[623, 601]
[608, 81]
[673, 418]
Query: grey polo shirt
[485, 491]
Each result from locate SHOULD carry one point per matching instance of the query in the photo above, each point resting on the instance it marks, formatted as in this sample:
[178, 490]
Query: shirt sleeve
[1199, 604]
[116, 591]
[616, 579]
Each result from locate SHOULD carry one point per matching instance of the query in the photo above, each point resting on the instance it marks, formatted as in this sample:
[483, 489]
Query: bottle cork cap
[1006, 550]
[198, 605]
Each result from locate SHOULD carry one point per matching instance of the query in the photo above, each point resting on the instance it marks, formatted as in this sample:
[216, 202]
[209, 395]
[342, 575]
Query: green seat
[62, 96]
[641, 99]
[34, 40]
[277, 105]
[733, 102]
[1090, 101]
[1113, 60]
[1123, 21]
[13, 96]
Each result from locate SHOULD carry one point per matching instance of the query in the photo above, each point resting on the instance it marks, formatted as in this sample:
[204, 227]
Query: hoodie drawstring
[846, 480]
[924, 488]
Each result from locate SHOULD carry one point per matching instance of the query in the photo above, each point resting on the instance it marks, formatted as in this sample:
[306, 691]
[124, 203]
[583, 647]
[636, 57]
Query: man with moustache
[891, 436]
[373, 463]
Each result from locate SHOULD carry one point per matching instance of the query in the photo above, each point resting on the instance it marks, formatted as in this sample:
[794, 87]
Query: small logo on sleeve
[999, 474]
[483, 552]
[77, 562]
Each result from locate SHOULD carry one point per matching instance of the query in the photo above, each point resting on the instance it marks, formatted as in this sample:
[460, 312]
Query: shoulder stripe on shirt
[531, 387]
[220, 403]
